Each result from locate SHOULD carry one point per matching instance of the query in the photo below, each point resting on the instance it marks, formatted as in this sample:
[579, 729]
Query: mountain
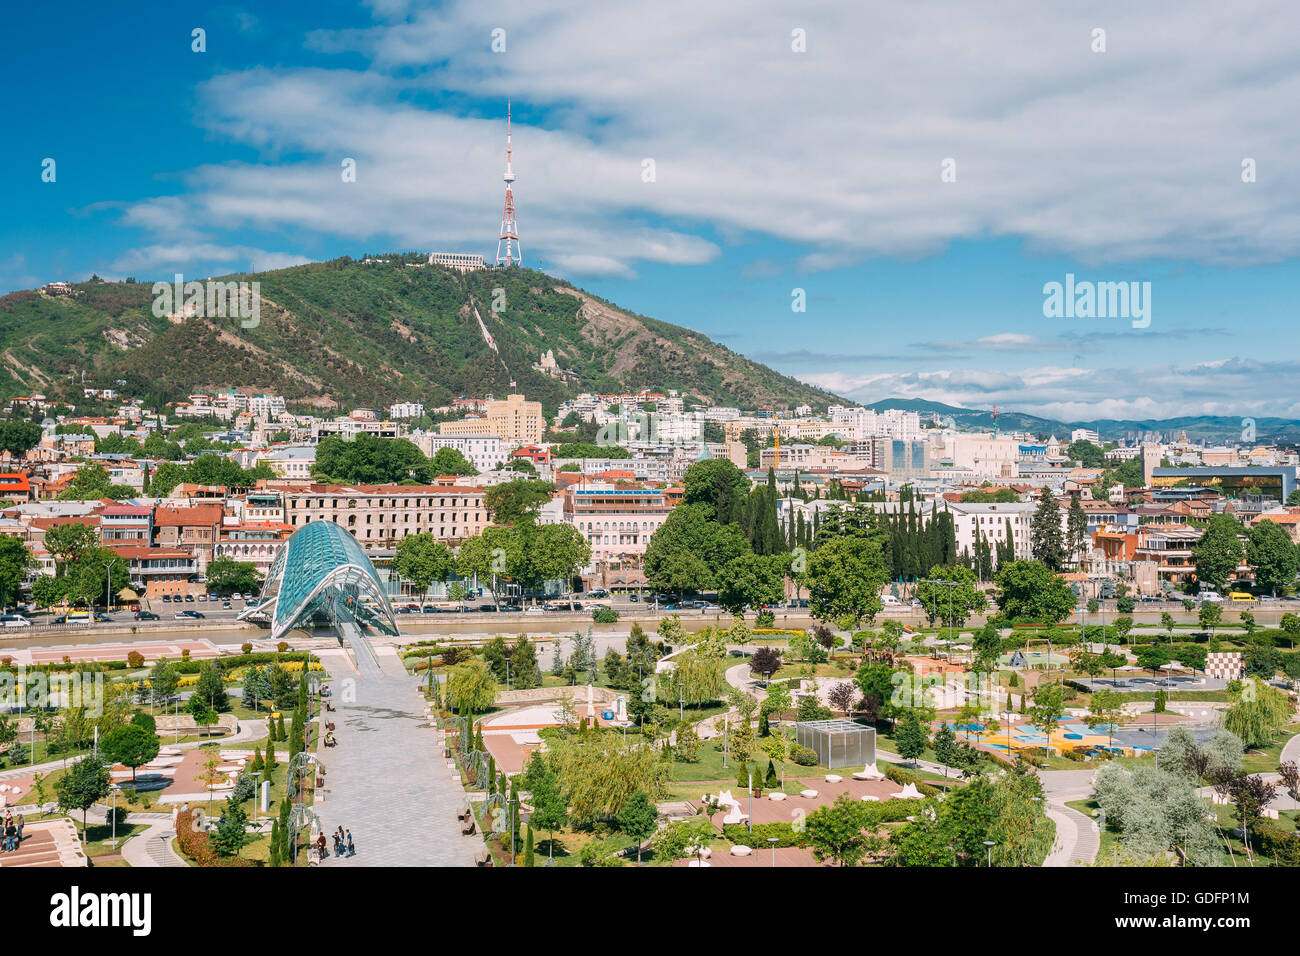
[347, 333]
[1208, 428]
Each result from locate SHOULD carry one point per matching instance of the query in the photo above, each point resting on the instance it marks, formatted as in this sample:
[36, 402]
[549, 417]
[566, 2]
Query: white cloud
[1232, 387]
[1129, 154]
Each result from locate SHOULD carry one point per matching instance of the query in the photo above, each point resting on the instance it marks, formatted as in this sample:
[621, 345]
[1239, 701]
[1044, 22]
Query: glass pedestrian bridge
[321, 576]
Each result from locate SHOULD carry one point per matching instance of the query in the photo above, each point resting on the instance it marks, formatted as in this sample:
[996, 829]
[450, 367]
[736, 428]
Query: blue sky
[774, 170]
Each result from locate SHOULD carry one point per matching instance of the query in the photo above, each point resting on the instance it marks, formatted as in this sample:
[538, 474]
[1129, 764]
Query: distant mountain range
[1209, 428]
[346, 333]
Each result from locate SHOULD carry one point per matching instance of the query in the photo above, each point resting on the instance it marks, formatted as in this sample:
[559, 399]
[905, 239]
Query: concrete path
[387, 780]
[1078, 837]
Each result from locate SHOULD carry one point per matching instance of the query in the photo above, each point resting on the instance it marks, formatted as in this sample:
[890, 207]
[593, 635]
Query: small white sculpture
[869, 772]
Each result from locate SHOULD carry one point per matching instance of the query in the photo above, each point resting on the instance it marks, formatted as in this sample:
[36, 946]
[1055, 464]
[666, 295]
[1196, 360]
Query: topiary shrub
[803, 756]
[135, 659]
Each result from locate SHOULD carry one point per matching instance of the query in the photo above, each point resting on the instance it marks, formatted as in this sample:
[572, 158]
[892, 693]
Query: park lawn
[839, 667]
[99, 837]
[568, 846]
[1265, 759]
[1233, 850]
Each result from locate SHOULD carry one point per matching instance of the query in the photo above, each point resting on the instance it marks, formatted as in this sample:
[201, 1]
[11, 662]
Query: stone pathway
[387, 780]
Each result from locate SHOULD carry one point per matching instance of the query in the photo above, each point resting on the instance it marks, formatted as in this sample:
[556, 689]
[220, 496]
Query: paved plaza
[387, 780]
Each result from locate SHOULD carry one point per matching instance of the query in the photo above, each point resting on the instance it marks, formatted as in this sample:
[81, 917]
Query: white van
[890, 601]
[14, 620]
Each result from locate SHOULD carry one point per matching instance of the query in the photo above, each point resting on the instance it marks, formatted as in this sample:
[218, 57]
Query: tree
[517, 501]
[1219, 552]
[163, 681]
[1029, 590]
[845, 576]
[556, 552]
[472, 686]
[843, 696]
[690, 548]
[1209, 615]
[1290, 624]
[16, 560]
[211, 686]
[96, 575]
[18, 437]
[130, 745]
[638, 819]
[951, 604]
[450, 461]
[91, 482]
[1272, 556]
[204, 716]
[836, 832]
[1045, 536]
[228, 576]
[231, 834]
[68, 542]
[422, 559]
[910, 736]
[749, 581]
[765, 661]
[1076, 530]
[369, 460]
[1167, 622]
[720, 485]
[549, 811]
[85, 783]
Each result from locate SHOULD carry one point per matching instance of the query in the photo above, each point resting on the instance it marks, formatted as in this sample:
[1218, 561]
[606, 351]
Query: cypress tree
[528, 847]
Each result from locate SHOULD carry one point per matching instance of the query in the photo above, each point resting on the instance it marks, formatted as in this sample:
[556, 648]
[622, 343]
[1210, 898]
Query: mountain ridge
[367, 333]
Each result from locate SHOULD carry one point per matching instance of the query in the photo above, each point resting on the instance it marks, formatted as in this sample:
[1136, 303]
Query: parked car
[535, 609]
[666, 607]
[889, 600]
[189, 598]
[227, 606]
[598, 593]
[167, 599]
[146, 616]
[487, 607]
[1210, 596]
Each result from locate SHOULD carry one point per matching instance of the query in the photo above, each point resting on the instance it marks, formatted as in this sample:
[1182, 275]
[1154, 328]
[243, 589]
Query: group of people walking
[343, 845]
[13, 831]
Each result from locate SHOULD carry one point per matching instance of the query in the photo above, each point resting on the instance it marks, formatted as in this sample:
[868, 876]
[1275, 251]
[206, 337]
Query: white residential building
[484, 452]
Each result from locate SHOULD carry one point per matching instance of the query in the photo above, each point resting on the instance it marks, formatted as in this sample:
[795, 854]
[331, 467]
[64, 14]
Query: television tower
[509, 240]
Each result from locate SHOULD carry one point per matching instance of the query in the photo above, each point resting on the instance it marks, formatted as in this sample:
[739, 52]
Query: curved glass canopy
[321, 572]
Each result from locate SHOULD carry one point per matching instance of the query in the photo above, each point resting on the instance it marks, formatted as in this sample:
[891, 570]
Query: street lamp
[772, 843]
[990, 844]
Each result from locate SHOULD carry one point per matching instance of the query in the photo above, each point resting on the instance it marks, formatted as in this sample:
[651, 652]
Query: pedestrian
[20, 823]
[352, 850]
[320, 845]
[11, 835]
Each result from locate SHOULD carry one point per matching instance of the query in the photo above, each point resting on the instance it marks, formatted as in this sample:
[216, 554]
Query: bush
[1272, 841]
[765, 618]
[785, 834]
[135, 659]
[898, 775]
[604, 615]
[246, 647]
[803, 756]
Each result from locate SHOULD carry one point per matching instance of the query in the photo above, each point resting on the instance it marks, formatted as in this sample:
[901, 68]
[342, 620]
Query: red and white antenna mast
[509, 249]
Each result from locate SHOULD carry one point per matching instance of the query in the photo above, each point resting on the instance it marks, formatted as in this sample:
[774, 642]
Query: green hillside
[345, 333]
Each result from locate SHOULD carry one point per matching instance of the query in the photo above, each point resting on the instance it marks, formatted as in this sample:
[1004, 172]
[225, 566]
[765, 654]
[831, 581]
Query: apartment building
[195, 529]
[380, 515]
[516, 420]
[618, 523]
[485, 452]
